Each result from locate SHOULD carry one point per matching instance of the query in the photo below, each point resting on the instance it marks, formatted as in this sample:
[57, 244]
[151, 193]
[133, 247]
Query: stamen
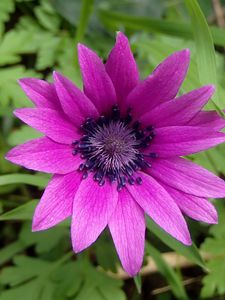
[139, 180]
[111, 148]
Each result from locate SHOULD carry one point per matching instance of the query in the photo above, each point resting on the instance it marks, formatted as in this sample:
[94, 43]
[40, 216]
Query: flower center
[112, 148]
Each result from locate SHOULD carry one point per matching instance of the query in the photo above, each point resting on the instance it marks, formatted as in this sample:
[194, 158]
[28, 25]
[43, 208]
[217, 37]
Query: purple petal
[74, 103]
[50, 122]
[160, 206]
[210, 119]
[197, 208]
[162, 85]
[97, 84]
[179, 111]
[188, 177]
[127, 227]
[56, 203]
[184, 140]
[122, 67]
[41, 93]
[93, 206]
[44, 155]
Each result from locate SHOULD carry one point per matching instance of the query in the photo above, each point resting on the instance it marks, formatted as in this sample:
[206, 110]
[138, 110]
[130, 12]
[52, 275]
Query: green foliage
[37, 37]
[23, 212]
[172, 276]
[213, 283]
[6, 7]
[35, 180]
[206, 59]
[57, 280]
[191, 252]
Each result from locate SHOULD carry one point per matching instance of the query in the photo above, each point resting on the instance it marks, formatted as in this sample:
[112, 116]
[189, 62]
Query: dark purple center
[112, 148]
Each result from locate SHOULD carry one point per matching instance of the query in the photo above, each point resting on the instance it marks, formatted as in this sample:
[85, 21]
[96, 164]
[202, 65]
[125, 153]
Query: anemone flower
[116, 150]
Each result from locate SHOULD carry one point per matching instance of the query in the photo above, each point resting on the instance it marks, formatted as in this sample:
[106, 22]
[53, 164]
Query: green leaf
[35, 180]
[22, 270]
[159, 48]
[138, 283]
[105, 252]
[13, 44]
[87, 283]
[68, 9]
[22, 134]
[22, 212]
[46, 58]
[213, 282]
[30, 275]
[86, 11]
[218, 230]
[47, 17]
[206, 60]
[10, 89]
[190, 252]
[115, 20]
[100, 285]
[6, 7]
[170, 275]
[57, 238]
[28, 291]
[10, 250]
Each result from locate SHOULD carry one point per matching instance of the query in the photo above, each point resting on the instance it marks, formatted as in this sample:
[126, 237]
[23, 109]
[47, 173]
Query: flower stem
[86, 10]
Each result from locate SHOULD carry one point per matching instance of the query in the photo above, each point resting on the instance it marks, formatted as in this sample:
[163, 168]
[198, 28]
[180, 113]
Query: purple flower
[115, 151]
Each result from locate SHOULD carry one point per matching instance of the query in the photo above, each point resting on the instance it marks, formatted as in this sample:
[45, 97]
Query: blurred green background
[37, 37]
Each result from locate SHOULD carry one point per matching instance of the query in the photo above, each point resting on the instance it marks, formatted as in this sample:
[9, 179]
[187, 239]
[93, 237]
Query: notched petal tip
[183, 56]
[79, 246]
[84, 52]
[82, 48]
[8, 156]
[212, 221]
[186, 52]
[131, 272]
[18, 112]
[208, 89]
[28, 83]
[25, 80]
[120, 35]
[188, 241]
[56, 75]
[40, 222]
[77, 249]
[38, 226]
[22, 81]
[211, 87]
[212, 218]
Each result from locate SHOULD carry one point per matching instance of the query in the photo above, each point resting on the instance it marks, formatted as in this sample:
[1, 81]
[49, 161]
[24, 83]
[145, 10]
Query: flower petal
[179, 111]
[44, 155]
[97, 84]
[92, 208]
[197, 208]
[74, 103]
[41, 92]
[160, 206]
[127, 227]
[210, 119]
[162, 85]
[122, 68]
[188, 177]
[50, 122]
[184, 140]
[56, 204]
